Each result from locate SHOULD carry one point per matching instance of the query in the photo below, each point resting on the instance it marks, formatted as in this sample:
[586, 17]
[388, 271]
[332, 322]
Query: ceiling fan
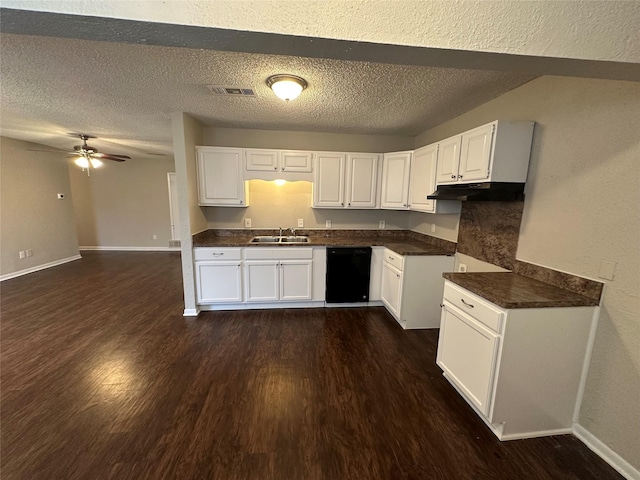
[88, 156]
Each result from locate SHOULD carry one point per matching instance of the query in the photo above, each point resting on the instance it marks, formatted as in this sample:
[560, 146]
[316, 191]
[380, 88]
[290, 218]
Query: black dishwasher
[348, 273]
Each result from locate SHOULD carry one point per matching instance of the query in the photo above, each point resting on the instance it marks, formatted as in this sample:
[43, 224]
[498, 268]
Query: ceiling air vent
[231, 91]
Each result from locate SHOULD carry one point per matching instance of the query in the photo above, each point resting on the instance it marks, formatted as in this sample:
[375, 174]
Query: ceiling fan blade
[109, 156]
[61, 150]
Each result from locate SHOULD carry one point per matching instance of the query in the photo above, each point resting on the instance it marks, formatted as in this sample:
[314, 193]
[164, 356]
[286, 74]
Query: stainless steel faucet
[293, 231]
[280, 231]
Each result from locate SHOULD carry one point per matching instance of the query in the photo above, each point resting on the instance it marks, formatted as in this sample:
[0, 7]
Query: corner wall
[582, 207]
[32, 216]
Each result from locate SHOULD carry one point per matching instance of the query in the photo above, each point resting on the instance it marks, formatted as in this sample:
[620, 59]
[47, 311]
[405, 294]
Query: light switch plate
[327, 223]
[462, 267]
[300, 223]
[381, 224]
[607, 269]
[247, 223]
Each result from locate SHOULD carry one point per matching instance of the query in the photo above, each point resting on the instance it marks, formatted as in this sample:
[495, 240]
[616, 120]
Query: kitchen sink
[295, 239]
[279, 239]
[265, 239]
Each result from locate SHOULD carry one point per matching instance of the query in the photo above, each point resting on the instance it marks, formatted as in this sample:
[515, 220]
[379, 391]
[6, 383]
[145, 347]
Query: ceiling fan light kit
[286, 87]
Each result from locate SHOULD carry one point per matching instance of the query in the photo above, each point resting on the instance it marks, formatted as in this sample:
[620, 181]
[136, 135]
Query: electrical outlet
[247, 223]
[155, 237]
[22, 254]
[327, 223]
[381, 224]
[462, 267]
[29, 252]
[300, 223]
[433, 228]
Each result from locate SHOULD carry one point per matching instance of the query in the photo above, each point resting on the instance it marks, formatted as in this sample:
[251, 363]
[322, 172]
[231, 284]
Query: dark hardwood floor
[102, 378]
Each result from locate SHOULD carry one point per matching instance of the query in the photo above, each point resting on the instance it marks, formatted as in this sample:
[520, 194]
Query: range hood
[487, 192]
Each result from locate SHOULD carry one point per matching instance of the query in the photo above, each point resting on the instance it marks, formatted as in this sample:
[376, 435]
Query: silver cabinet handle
[453, 176]
[459, 176]
[216, 254]
[275, 168]
[467, 304]
[397, 275]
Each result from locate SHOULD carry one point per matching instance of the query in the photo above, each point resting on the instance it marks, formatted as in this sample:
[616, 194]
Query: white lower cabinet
[261, 280]
[218, 275]
[520, 369]
[412, 287]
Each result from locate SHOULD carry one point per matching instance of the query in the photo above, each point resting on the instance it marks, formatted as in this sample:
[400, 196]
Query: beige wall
[31, 215]
[272, 206]
[582, 207]
[123, 204]
[187, 133]
[235, 137]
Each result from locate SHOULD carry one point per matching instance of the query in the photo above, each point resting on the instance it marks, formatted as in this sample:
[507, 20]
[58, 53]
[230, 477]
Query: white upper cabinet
[449, 160]
[475, 154]
[328, 180]
[423, 182]
[423, 178]
[292, 161]
[362, 180]
[345, 180]
[496, 152]
[395, 180]
[259, 160]
[220, 177]
[267, 160]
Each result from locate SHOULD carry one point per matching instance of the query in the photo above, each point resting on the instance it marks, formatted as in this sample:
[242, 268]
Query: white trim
[587, 363]
[191, 312]
[623, 467]
[130, 249]
[261, 306]
[540, 433]
[19, 273]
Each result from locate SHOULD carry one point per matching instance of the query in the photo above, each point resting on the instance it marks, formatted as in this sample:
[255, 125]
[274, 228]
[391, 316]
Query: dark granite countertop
[402, 242]
[510, 290]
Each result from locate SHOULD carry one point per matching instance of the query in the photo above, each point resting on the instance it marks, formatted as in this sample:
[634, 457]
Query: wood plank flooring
[102, 378]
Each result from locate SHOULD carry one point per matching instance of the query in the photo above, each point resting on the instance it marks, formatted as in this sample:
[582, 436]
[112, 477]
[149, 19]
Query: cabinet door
[291, 161]
[391, 292]
[261, 281]
[395, 180]
[218, 282]
[259, 160]
[467, 352]
[362, 180]
[220, 179]
[423, 178]
[475, 154]
[295, 280]
[328, 180]
[448, 160]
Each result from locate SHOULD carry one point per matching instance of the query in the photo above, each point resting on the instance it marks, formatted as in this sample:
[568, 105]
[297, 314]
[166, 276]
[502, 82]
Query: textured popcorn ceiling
[125, 93]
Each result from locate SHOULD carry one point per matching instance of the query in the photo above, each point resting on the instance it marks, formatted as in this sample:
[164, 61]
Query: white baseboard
[191, 312]
[130, 249]
[37, 268]
[623, 467]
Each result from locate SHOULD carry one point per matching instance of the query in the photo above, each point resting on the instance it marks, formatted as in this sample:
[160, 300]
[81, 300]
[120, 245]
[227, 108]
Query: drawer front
[394, 259]
[280, 253]
[483, 311]
[208, 253]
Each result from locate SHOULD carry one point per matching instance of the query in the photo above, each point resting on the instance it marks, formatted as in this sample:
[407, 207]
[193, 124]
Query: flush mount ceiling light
[287, 87]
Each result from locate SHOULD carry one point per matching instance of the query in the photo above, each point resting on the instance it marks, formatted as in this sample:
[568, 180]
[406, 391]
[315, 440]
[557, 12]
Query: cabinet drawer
[480, 309]
[394, 259]
[281, 253]
[207, 253]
